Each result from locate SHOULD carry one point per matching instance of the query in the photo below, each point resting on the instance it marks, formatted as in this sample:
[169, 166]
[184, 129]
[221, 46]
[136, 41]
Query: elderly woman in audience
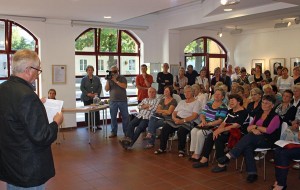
[286, 110]
[255, 106]
[272, 90]
[184, 118]
[211, 117]
[296, 99]
[296, 74]
[201, 79]
[247, 89]
[285, 82]
[234, 125]
[164, 110]
[263, 132]
[200, 95]
[180, 81]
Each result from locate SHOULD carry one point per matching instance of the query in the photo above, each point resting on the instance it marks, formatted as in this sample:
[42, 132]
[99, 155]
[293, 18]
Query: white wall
[267, 44]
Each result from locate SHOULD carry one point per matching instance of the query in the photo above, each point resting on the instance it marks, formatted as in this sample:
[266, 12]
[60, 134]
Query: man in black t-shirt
[164, 79]
[191, 74]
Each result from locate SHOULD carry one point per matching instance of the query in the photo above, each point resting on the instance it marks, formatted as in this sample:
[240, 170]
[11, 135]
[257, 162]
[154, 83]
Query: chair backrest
[284, 126]
[177, 98]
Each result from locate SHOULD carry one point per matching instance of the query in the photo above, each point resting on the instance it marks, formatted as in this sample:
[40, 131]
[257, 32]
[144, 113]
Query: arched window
[13, 37]
[205, 51]
[103, 48]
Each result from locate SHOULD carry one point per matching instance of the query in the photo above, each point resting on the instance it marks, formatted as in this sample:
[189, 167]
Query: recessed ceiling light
[227, 10]
[107, 16]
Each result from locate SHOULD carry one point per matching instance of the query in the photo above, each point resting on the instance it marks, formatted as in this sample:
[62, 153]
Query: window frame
[118, 53]
[8, 46]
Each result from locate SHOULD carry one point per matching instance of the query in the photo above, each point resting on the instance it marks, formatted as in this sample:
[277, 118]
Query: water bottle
[96, 100]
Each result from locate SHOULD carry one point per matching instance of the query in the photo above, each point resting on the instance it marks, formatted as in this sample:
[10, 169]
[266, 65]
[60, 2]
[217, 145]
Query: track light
[282, 24]
[220, 34]
[229, 2]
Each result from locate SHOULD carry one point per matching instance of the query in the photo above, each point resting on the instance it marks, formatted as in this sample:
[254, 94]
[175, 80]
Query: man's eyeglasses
[39, 70]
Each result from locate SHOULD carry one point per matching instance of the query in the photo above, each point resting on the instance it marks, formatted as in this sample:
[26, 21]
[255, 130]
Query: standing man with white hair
[118, 100]
[26, 136]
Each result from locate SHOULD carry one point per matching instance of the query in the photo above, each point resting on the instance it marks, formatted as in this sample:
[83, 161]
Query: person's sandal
[181, 153]
[159, 151]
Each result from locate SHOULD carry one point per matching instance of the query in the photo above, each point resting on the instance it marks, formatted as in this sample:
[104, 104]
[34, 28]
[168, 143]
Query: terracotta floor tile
[104, 164]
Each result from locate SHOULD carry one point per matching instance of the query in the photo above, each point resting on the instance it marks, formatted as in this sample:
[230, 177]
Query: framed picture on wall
[295, 61]
[260, 62]
[274, 63]
[59, 74]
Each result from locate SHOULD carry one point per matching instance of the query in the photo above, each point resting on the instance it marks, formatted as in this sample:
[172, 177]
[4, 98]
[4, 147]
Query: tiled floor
[104, 165]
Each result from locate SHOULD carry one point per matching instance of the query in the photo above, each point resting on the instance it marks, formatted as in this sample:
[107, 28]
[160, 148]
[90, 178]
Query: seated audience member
[200, 95]
[243, 78]
[52, 94]
[236, 74]
[296, 99]
[285, 82]
[164, 110]
[211, 117]
[254, 85]
[180, 81]
[184, 115]
[201, 79]
[283, 158]
[226, 79]
[263, 82]
[272, 90]
[140, 122]
[255, 106]
[233, 126]
[286, 110]
[263, 132]
[268, 76]
[247, 89]
[258, 76]
[234, 86]
[216, 78]
[241, 92]
[296, 74]
[278, 70]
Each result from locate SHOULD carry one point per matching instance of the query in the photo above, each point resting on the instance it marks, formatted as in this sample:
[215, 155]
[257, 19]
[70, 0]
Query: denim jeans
[135, 128]
[247, 145]
[12, 187]
[283, 157]
[153, 125]
[114, 106]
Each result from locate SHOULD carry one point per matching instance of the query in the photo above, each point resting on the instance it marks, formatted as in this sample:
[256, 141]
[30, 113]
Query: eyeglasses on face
[39, 70]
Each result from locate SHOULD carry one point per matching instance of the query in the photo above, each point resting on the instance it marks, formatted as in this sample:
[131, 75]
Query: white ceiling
[89, 10]
[122, 10]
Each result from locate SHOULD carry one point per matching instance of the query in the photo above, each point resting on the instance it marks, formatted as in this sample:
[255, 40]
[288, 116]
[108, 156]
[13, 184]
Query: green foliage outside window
[20, 42]
[128, 44]
[195, 46]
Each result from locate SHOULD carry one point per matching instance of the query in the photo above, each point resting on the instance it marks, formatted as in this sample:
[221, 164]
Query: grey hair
[189, 87]
[114, 67]
[23, 59]
[221, 90]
